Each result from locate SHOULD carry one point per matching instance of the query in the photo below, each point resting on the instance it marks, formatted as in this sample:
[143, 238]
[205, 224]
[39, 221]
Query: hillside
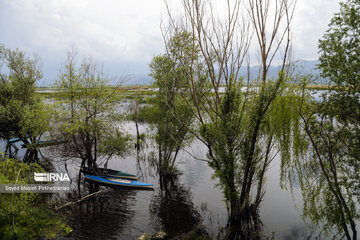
[302, 67]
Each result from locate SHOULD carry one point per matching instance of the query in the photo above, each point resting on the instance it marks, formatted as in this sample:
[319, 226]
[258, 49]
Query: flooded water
[193, 200]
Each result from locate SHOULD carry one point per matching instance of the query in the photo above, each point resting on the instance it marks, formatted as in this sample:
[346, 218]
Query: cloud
[107, 29]
[310, 22]
[123, 34]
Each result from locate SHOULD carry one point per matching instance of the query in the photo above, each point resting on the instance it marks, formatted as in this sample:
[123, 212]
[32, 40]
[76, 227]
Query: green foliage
[147, 114]
[328, 170]
[242, 133]
[29, 212]
[226, 135]
[87, 119]
[115, 144]
[284, 123]
[340, 48]
[170, 114]
[325, 169]
[340, 61]
[325, 173]
[22, 111]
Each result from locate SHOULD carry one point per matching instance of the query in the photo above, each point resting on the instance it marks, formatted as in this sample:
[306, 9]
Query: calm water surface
[192, 200]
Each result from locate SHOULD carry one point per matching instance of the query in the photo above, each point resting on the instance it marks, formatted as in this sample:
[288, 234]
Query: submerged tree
[23, 114]
[328, 170]
[169, 74]
[87, 118]
[234, 125]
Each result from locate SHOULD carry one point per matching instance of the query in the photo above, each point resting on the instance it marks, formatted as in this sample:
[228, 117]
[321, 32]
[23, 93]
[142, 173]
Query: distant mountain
[142, 79]
[301, 67]
[305, 67]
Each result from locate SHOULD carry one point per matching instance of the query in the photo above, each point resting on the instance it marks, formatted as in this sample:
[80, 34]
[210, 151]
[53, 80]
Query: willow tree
[233, 125]
[23, 114]
[328, 170]
[87, 118]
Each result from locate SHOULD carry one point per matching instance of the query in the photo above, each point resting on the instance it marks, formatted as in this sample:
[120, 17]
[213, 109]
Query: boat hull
[112, 173]
[119, 182]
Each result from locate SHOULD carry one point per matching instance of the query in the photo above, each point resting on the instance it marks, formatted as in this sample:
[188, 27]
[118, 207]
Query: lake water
[193, 200]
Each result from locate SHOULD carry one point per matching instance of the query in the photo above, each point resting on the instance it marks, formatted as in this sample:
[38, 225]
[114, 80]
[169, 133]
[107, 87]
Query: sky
[123, 35]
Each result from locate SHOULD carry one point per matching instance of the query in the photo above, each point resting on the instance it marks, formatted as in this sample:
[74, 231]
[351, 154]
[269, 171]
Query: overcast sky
[122, 34]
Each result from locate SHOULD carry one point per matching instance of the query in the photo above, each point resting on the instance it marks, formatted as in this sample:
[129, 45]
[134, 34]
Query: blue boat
[119, 182]
[14, 140]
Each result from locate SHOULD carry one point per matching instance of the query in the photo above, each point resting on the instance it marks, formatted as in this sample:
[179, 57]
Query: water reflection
[108, 214]
[11, 150]
[172, 208]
